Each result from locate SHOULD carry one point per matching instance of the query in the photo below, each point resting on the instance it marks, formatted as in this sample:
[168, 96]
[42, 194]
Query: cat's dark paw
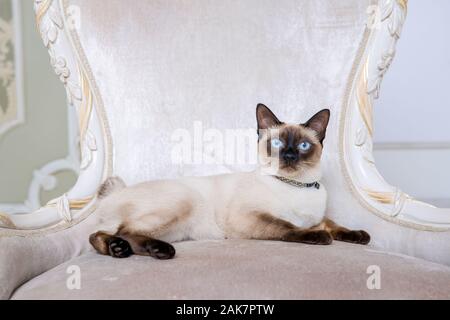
[160, 250]
[310, 237]
[119, 248]
[317, 237]
[354, 236]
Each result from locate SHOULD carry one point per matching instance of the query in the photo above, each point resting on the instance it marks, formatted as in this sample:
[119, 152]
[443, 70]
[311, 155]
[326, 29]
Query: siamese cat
[286, 205]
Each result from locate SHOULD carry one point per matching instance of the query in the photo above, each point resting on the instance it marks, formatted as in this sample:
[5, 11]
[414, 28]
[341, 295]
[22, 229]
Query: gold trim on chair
[44, 5]
[5, 221]
[77, 204]
[404, 4]
[64, 206]
[364, 101]
[85, 109]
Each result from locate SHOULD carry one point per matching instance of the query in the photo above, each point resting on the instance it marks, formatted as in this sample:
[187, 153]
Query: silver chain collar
[299, 184]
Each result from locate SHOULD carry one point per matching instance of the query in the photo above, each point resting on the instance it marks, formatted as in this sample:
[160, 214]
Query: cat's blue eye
[276, 143]
[304, 146]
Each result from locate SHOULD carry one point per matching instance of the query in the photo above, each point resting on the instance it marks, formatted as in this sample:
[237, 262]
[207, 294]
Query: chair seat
[239, 269]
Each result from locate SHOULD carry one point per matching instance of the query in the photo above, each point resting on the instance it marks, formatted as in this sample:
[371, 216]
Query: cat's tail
[110, 186]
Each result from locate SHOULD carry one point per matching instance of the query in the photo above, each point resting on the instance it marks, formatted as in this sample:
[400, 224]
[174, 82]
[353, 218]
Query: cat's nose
[290, 157]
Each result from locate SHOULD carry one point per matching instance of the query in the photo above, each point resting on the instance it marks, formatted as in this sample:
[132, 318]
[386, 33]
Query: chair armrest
[25, 256]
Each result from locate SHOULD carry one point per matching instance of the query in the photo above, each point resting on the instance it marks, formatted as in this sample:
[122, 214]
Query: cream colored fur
[253, 205]
[215, 207]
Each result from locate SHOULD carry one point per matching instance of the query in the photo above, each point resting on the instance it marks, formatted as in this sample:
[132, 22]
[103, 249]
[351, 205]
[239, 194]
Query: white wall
[412, 116]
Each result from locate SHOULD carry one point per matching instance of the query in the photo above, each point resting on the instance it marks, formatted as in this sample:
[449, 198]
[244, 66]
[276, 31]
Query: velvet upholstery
[244, 269]
[161, 65]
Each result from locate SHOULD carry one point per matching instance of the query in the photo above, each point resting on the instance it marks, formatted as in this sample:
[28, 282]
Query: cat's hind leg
[136, 225]
[109, 244]
[147, 246]
[124, 244]
[137, 236]
[140, 234]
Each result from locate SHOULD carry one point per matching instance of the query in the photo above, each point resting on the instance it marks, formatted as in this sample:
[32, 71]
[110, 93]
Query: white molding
[411, 145]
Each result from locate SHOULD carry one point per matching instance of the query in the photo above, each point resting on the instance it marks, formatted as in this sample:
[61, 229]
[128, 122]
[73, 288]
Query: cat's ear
[266, 119]
[319, 123]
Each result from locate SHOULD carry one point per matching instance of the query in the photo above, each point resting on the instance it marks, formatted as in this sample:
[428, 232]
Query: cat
[282, 200]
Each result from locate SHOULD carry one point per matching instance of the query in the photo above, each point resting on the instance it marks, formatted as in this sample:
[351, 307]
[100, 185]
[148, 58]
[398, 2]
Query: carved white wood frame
[369, 187]
[60, 38]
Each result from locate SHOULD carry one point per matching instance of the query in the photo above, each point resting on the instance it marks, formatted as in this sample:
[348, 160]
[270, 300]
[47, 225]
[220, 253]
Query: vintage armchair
[136, 71]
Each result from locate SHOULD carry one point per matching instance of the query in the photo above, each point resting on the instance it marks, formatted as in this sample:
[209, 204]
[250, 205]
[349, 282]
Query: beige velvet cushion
[246, 270]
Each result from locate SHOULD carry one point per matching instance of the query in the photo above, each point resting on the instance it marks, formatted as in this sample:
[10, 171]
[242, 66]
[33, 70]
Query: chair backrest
[161, 65]
[142, 73]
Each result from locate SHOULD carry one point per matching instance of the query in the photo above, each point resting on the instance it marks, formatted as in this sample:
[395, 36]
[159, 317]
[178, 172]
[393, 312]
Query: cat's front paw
[320, 237]
[119, 248]
[317, 237]
[160, 249]
[353, 236]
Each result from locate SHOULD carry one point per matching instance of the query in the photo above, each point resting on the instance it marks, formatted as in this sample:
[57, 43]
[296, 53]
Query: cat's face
[291, 150]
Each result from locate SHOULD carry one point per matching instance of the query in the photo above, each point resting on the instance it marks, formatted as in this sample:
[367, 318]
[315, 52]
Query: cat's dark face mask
[290, 149]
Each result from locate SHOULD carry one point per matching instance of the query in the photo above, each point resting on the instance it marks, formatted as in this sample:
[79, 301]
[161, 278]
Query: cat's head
[291, 150]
